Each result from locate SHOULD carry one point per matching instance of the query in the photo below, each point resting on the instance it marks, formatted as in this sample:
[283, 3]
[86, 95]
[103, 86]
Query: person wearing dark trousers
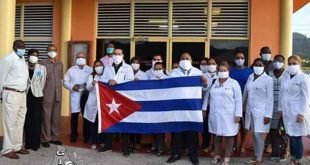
[36, 83]
[75, 81]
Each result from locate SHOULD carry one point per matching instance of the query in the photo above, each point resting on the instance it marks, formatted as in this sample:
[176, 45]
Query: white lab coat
[124, 74]
[294, 100]
[259, 97]
[74, 76]
[141, 75]
[91, 108]
[225, 105]
[150, 73]
[162, 76]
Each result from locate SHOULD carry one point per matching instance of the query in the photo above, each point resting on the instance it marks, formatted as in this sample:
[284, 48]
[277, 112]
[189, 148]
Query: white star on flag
[113, 106]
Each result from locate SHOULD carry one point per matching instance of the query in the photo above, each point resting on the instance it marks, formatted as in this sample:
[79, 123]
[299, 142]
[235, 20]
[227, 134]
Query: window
[197, 51]
[124, 44]
[34, 25]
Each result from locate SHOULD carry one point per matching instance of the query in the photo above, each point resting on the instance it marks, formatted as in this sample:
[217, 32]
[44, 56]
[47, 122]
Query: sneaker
[93, 147]
[216, 159]
[105, 149]
[56, 142]
[226, 161]
[45, 144]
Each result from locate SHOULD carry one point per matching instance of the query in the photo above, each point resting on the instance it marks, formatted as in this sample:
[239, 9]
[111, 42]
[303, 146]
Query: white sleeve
[4, 71]
[68, 80]
[269, 105]
[238, 99]
[43, 77]
[89, 83]
[130, 76]
[105, 77]
[305, 89]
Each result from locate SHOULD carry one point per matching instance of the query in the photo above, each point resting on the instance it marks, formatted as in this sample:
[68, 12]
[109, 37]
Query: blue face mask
[110, 50]
[20, 52]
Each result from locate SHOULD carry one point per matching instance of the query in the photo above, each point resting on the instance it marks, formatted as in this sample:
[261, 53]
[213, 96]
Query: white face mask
[204, 68]
[33, 59]
[135, 66]
[258, 70]
[52, 54]
[278, 65]
[212, 68]
[293, 69]
[223, 74]
[117, 59]
[239, 62]
[99, 69]
[155, 61]
[266, 56]
[80, 61]
[158, 73]
[185, 64]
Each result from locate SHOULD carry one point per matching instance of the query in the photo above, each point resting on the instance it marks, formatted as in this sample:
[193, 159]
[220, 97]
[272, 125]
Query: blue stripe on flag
[152, 128]
[191, 81]
[171, 105]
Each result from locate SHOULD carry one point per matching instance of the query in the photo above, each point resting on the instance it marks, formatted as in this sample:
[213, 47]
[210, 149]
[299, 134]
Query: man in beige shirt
[52, 98]
[13, 84]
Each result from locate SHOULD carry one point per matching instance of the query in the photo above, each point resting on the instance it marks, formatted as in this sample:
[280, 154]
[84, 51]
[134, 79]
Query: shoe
[73, 137]
[126, 154]
[226, 161]
[56, 142]
[105, 149]
[152, 150]
[194, 161]
[252, 161]
[242, 152]
[22, 151]
[45, 144]
[216, 159]
[11, 155]
[174, 158]
[93, 147]
[160, 153]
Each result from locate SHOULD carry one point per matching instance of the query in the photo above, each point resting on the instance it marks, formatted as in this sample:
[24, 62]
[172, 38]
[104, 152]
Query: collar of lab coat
[252, 76]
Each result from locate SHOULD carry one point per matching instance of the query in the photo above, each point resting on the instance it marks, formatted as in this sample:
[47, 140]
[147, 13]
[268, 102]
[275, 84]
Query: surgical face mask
[52, 54]
[117, 59]
[278, 65]
[239, 62]
[266, 56]
[33, 59]
[258, 70]
[293, 69]
[135, 66]
[158, 73]
[20, 52]
[204, 68]
[223, 74]
[110, 50]
[80, 61]
[155, 61]
[99, 69]
[212, 68]
[185, 64]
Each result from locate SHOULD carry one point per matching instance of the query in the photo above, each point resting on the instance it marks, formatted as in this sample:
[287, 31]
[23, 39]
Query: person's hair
[51, 45]
[112, 42]
[279, 55]
[265, 49]
[257, 60]
[31, 51]
[204, 59]
[239, 51]
[17, 42]
[159, 63]
[224, 64]
[186, 52]
[94, 71]
[211, 58]
[135, 59]
[295, 57]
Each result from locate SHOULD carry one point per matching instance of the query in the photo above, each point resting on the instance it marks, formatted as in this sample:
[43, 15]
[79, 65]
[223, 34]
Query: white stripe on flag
[164, 116]
[163, 94]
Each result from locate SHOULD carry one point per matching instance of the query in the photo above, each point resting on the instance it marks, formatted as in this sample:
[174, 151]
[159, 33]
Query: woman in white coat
[136, 65]
[225, 112]
[294, 104]
[91, 109]
[258, 94]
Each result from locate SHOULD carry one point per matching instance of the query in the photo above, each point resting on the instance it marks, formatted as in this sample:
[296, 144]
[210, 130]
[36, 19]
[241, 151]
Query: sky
[301, 20]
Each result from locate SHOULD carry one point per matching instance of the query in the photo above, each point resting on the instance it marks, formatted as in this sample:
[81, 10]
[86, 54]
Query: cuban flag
[151, 106]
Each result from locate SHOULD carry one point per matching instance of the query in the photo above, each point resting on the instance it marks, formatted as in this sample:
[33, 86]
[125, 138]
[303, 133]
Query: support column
[286, 38]
[66, 12]
[7, 33]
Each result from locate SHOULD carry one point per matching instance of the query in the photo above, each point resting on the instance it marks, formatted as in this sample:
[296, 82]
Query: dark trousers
[94, 132]
[33, 121]
[86, 123]
[296, 147]
[125, 142]
[187, 138]
[107, 140]
[206, 135]
[159, 142]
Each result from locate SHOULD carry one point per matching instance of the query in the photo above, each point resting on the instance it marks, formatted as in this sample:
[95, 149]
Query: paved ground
[82, 156]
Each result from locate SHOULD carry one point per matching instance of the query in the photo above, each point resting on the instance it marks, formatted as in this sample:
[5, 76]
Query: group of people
[267, 100]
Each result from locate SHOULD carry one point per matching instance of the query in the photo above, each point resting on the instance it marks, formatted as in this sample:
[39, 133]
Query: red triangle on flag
[114, 106]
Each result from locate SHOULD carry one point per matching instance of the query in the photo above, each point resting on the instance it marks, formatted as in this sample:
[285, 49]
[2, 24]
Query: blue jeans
[296, 147]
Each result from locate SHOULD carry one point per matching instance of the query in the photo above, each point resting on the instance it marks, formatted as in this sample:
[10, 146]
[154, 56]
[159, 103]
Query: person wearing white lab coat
[75, 81]
[91, 109]
[187, 137]
[119, 72]
[225, 112]
[258, 94]
[136, 64]
[294, 105]
[156, 58]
